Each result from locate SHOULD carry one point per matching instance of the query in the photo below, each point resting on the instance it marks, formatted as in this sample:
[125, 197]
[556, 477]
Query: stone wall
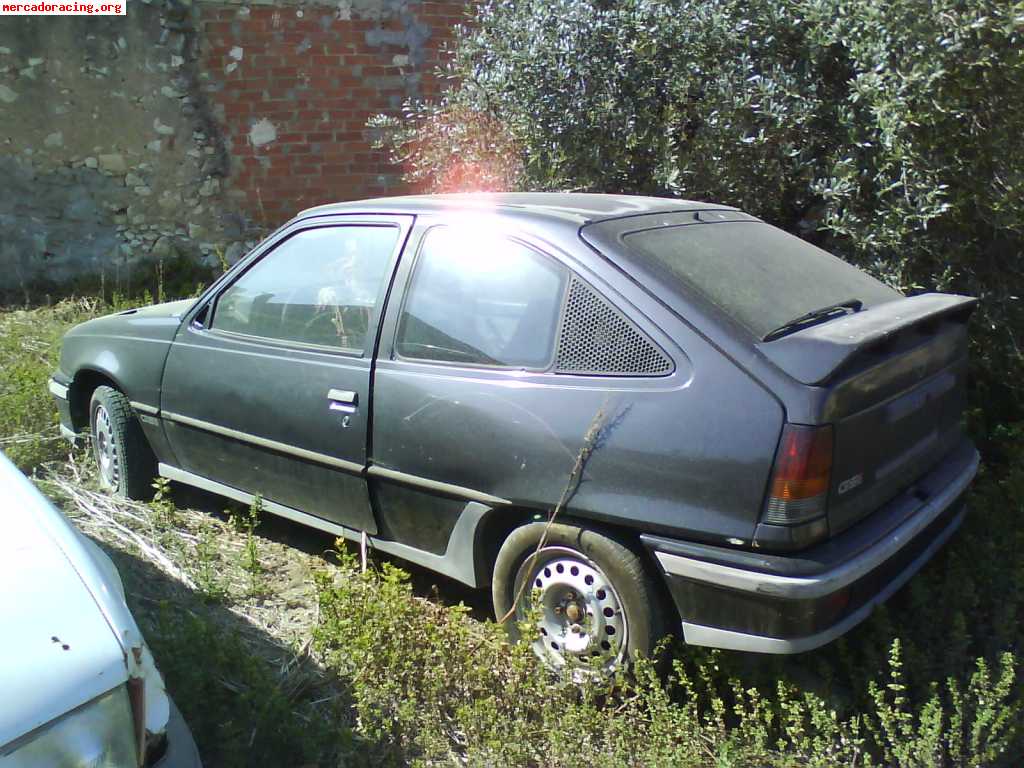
[180, 133]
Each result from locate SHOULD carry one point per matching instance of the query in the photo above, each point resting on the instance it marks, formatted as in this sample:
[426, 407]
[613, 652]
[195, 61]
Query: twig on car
[600, 428]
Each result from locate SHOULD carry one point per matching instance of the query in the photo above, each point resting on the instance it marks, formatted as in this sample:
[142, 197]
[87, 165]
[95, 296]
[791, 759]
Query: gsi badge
[850, 483]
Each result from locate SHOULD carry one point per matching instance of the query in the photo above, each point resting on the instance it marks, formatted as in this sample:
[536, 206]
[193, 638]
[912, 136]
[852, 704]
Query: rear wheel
[123, 457]
[593, 598]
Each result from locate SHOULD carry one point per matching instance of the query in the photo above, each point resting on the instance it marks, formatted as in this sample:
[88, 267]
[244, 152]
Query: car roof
[579, 207]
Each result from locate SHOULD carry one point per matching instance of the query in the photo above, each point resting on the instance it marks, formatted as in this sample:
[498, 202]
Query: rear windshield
[757, 274]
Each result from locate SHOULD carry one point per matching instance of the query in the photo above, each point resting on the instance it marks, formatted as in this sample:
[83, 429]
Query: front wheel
[592, 597]
[123, 457]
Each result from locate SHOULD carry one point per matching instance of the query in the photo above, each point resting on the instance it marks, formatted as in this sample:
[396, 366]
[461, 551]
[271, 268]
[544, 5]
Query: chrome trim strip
[436, 486]
[811, 587]
[457, 561]
[57, 389]
[262, 442]
[143, 408]
[698, 634]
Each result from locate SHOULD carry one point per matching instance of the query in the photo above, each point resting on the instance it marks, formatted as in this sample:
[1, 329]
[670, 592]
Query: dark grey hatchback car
[743, 425]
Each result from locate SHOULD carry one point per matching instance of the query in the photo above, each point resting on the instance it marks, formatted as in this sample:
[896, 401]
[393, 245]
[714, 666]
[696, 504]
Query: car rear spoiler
[813, 355]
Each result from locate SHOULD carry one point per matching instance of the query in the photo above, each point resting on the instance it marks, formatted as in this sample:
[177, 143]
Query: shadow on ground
[249, 699]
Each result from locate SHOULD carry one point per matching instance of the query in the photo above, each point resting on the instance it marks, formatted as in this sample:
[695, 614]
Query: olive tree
[887, 130]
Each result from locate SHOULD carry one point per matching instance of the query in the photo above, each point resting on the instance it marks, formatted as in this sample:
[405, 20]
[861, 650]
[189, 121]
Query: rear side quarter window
[488, 301]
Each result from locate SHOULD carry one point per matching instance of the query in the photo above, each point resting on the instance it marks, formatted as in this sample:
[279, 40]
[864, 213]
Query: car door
[267, 386]
[460, 381]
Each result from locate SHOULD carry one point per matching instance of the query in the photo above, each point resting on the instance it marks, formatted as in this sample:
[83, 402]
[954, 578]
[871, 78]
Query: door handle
[342, 400]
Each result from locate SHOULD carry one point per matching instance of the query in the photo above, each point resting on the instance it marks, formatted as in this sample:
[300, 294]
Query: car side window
[481, 300]
[320, 286]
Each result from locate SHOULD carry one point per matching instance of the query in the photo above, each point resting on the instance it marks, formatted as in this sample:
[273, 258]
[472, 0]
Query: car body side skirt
[458, 561]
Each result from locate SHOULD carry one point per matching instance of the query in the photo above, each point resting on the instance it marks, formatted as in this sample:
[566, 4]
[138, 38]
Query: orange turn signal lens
[800, 480]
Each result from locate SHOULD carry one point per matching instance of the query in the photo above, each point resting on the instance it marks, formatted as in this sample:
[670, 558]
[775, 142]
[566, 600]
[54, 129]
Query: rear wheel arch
[500, 522]
[492, 531]
[613, 554]
[497, 525]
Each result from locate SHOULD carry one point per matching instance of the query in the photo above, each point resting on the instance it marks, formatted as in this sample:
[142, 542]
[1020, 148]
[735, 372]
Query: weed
[206, 572]
[162, 504]
[251, 564]
[29, 350]
[221, 259]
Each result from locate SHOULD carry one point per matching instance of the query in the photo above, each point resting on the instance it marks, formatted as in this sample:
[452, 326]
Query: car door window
[481, 301]
[320, 286]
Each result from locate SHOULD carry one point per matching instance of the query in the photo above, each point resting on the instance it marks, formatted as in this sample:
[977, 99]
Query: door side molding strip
[457, 562]
[262, 442]
[436, 486]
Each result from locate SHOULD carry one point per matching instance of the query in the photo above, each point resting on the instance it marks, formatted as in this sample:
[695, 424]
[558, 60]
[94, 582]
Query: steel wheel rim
[581, 617]
[105, 448]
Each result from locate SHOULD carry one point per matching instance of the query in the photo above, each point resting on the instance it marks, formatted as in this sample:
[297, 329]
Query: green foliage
[430, 686]
[162, 503]
[250, 551]
[29, 349]
[205, 571]
[246, 523]
[232, 699]
[885, 130]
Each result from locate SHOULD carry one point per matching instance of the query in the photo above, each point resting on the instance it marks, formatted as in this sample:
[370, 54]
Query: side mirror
[200, 320]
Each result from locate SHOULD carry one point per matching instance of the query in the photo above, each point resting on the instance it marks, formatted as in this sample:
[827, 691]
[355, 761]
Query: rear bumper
[789, 604]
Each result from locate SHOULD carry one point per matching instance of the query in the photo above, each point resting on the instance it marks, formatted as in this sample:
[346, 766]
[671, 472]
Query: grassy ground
[281, 651]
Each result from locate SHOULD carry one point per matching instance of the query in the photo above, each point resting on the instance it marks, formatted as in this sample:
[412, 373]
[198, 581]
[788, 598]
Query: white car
[79, 684]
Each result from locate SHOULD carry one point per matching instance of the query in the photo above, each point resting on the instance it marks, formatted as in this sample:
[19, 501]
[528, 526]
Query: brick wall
[184, 131]
[292, 87]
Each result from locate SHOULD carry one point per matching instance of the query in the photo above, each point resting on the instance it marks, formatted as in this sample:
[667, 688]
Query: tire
[123, 457]
[579, 573]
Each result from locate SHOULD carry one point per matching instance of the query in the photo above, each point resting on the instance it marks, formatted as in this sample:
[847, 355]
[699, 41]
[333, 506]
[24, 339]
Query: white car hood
[67, 634]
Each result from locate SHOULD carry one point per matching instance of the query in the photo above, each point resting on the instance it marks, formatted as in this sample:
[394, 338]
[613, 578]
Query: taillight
[800, 479]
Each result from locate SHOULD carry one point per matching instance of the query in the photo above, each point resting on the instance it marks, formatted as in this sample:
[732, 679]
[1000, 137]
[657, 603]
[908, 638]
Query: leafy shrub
[885, 130]
[29, 350]
[429, 686]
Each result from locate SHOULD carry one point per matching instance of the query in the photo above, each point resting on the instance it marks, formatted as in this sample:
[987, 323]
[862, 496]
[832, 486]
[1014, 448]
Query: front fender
[128, 349]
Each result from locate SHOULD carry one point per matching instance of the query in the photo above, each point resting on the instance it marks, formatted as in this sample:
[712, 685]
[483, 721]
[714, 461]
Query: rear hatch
[895, 388]
[887, 372]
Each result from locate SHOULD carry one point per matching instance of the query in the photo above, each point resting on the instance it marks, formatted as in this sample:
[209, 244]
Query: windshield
[757, 274]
